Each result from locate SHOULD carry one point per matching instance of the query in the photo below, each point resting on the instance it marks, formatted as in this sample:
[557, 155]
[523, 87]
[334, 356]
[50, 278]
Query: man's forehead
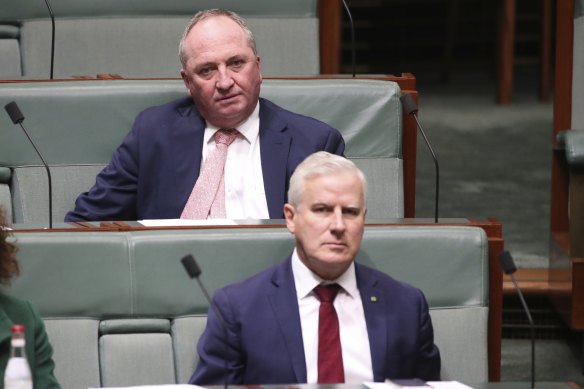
[216, 27]
[333, 188]
[332, 181]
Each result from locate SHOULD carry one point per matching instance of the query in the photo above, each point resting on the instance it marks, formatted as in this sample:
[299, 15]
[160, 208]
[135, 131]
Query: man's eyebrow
[236, 57]
[204, 64]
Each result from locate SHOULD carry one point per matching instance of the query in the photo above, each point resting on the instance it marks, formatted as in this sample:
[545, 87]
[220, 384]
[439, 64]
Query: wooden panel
[531, 281]
[545, 50]
[562, 113]
[506, 44]
[566, 275]
[329, 16]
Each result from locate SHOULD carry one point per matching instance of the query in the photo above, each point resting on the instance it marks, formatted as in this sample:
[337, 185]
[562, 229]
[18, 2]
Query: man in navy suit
[272, 318]
[152, 173]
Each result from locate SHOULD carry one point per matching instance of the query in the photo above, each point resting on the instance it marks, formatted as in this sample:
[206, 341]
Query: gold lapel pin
[373, 299]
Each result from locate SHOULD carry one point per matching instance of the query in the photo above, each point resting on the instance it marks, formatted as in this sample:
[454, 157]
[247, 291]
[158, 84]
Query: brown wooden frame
[329, 18]
[566, 274]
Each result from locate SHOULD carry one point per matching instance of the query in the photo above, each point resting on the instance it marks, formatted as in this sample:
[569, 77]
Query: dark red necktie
[330, 357]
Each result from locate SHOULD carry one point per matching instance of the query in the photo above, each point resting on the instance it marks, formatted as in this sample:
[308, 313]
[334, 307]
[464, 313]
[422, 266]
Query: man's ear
[259, 62]
[186, 80]
[289, 213]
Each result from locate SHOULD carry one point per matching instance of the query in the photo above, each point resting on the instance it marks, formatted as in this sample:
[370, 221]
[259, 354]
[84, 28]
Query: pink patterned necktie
[208, 195]
[330, 355]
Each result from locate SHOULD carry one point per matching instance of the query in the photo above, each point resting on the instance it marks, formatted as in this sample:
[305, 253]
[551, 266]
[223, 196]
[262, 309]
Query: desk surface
[268, 223]
[482, 385]
[525, 385]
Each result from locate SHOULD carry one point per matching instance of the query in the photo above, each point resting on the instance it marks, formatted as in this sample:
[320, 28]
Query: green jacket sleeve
[41, 357]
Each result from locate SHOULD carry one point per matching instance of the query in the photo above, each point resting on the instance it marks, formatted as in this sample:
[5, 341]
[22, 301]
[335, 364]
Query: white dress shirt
[245, 197]
[352, 327]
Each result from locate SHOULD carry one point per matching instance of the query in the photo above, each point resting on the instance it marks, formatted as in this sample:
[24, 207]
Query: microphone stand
[410, 107]
[531, 328]
[509, 268]
[17, 118]
[194, 271]
[52, 36]
[353, 55]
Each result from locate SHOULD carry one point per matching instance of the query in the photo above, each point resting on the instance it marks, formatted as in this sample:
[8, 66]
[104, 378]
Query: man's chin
[337, 257]
[228, 118]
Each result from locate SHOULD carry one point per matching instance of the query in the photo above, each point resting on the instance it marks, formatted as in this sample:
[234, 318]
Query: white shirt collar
[305, 280]
[249, 128]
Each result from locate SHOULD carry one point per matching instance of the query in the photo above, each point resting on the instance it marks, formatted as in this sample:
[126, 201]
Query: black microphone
[509, 268]
[194, 271]
[352, 35]
[410, 108]
[17, 118]
[52, 36]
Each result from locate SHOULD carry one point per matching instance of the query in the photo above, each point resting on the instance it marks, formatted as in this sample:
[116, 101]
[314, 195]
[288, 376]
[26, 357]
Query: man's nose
[225, 81]
[338, 221]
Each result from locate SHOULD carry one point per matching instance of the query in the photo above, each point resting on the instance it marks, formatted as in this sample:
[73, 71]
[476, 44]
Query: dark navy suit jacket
[152, 173]
[265, 336]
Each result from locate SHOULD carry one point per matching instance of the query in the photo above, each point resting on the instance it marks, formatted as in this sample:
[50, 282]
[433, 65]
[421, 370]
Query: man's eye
[320, 210]
[351, 211]
[205, 71]
[237, 63]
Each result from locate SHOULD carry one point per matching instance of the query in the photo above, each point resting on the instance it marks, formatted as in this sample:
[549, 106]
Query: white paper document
[430, 384]
[447, 385]
[186, 222]
[393, 385]
[181, 386]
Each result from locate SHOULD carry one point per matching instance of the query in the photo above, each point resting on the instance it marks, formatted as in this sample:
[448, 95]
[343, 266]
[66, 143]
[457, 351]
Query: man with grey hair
[319, 317]
[243, 147]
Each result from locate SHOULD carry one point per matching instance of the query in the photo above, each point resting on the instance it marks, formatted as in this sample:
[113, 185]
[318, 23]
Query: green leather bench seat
[78, 124]
[140, 38]
[120, 309]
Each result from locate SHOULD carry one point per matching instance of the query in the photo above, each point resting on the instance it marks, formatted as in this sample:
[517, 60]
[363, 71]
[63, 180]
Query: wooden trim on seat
[532, 281]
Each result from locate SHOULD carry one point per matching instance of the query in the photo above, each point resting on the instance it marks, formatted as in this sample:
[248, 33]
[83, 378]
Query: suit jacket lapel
[284, 303]
[187, 153]
[375, 309]
[274, 149]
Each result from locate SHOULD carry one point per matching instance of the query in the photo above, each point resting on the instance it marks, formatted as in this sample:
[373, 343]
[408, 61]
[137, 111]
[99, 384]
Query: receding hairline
[215, 13]
[321, 164]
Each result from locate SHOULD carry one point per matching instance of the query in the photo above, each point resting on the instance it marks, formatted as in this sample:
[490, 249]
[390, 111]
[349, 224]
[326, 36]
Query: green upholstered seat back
[129, 294]
[140, 38]
[77, 125]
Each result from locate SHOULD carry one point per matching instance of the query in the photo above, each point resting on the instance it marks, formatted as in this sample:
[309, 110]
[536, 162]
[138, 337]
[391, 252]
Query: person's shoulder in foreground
[15, 311]
[38, 349]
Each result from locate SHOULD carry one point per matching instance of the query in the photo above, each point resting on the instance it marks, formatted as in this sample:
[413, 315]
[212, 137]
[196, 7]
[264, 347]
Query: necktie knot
[327, 293]
[225, 137]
